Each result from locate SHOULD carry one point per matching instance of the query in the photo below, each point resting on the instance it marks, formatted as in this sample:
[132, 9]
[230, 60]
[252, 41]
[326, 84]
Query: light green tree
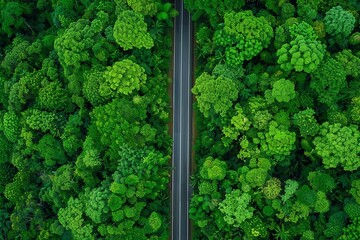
[130, 31]
[244, 36]
[283, 90]
[213, 169]
[236, 207]
[145, 7]
[338, 145]
[122, 78]
[215, 95]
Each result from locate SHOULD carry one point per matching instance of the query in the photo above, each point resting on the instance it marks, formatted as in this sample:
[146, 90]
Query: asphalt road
[182, 109]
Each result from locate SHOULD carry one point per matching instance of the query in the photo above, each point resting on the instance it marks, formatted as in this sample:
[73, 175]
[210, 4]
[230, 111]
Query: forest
[277, 107]
[85, 148]
[85, 144]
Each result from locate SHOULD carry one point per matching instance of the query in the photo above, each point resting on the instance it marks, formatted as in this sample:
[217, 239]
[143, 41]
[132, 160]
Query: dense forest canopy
[84, 111]
[278, 111]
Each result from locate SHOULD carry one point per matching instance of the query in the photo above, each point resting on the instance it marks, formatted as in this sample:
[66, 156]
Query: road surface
[182, 109]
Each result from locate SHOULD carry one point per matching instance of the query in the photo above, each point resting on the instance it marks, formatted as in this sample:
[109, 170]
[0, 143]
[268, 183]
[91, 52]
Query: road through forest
[182, 110]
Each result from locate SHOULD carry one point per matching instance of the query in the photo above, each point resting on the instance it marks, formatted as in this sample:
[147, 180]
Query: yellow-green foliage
[11, 125]
[130, 31]
[277, 142]
[338, 146]
[210, 92]
[301, 54]
[272, 188]
[283, 90]
[123, 77]
[236, 208]
[147, 7]
[213, 169]
[244, 36]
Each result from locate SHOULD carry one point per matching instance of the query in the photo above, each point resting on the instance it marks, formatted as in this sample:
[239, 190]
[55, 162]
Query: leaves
[130, 31]
[122, 78]
[215, 95]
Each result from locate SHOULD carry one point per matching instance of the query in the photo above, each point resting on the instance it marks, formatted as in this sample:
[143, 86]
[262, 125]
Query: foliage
[321, 181]
[213, 9]
[283, 90]
[120, 121]
[339, 23]
[215, 95]
[51, 150]
[148, 7]
[12, 16]
[74, 45]
[306, 122]
[122, 78]
[71, 218]
[244, 36]
[352, 230]
[81, 116]
[354, 191]
[349, 62]
[287, 127]
[277, 142]
[92, 81]
[301, 54]
[272, 188]
[338, 145]
[53, 97]
[84, 111]
[11, 125]
[329, 80]
[235, 207]
[130, 31]
[213, 169]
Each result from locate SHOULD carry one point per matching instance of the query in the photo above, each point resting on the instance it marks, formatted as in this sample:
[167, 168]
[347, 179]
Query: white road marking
[188, 131]
[173, 155]
[179, 136]
[180, 125]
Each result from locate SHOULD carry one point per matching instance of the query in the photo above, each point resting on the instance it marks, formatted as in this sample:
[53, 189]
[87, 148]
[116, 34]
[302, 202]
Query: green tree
[75, 44]
[12, 18]
[301, 54]
[71, 218]
[215, 95]
[51, 150]
[277, 142]
[338, 145]
[155, 221]
[329, 80]
[272, 188]
[92, 82]
[148, 7]
[121, 121]
[283, 90]
[236, 208]
[52, 96]
[306, 122]
[122, 78]
[244, 36]
[130, 31]
[11, 126]
[339, 23]
[96, 204]
[355, 190]
[321, 181]
[213, 169]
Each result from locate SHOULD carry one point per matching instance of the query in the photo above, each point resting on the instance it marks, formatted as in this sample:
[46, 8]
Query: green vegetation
[84, 108]
[278, 104]
[84, 112]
